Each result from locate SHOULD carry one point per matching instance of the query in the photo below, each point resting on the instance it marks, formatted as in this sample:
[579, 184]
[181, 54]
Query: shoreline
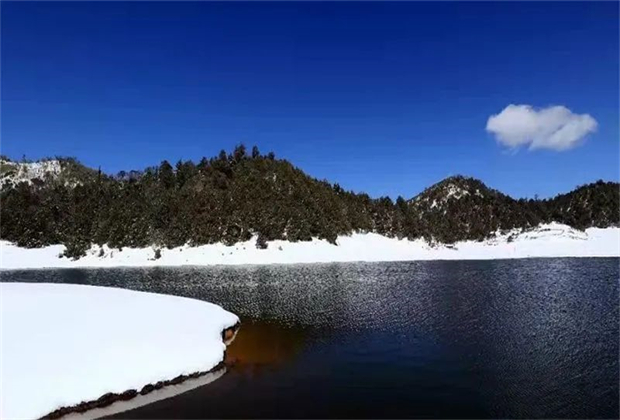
[94, 267]
[546, 241]
[106, 403]
[168, 391]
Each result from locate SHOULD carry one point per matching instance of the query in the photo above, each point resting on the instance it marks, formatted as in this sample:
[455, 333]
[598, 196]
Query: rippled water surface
[518, 339]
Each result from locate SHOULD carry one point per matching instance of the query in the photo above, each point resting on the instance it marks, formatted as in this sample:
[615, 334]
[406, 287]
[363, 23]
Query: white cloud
[555, 127]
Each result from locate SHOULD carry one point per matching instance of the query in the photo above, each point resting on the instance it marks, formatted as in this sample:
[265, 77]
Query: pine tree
[166, 175]
[232, 198]
[255, 152]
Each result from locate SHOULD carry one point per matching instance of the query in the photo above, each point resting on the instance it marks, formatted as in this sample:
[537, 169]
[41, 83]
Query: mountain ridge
[234, 196]
[70, 161]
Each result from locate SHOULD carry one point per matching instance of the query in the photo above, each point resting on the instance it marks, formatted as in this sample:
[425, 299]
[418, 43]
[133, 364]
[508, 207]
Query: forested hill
[232, 197]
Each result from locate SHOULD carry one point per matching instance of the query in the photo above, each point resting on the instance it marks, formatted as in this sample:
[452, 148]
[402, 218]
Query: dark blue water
[534, 338]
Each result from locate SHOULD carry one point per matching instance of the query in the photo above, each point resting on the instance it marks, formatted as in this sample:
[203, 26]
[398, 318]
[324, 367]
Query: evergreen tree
[166, 175]
[232, 198]
[255, 152]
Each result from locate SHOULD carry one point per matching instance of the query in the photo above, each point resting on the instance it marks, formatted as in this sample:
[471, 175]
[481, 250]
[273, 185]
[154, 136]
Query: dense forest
[234, 196]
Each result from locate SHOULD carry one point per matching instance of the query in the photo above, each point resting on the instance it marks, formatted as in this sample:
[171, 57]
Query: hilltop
[63, 170]
[236, 196]
[460, 208]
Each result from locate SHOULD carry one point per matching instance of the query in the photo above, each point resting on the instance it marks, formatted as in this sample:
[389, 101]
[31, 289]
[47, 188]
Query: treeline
[480, 211]
[234, 196]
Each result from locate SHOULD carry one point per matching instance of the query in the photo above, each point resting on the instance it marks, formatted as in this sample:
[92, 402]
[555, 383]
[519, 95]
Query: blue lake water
[534, 338]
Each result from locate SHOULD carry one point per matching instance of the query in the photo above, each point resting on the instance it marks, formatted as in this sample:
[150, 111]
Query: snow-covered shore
[66, 344]
[551, 240]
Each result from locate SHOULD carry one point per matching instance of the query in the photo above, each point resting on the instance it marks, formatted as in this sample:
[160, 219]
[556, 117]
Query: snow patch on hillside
[550, 240]
[454, 191]
[65, 344]
[448, 192]
[15, 172]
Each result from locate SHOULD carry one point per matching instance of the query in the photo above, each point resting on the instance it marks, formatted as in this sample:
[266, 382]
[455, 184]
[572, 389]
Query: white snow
[26, 172]
[456, 192]
[64, 344]
[551, 240]
[451, 191]
[139, 400]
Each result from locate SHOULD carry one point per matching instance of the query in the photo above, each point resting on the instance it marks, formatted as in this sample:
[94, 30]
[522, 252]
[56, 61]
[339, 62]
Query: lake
[533, 338]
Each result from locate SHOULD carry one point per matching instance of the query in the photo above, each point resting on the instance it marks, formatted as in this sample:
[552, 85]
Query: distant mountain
[231, 197]
[461, 208]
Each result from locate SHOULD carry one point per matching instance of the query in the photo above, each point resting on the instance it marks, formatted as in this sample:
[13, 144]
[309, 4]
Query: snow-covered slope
[452, 189]
[13, 173]
[551, 240]
[65, 344]
[448, 190]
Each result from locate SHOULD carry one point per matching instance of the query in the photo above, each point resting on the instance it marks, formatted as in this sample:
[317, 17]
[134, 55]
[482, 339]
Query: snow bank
[65, 344]
[552, 240]
[139, 400]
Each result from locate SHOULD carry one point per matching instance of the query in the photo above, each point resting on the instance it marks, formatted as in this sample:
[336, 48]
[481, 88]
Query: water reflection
[263, 345]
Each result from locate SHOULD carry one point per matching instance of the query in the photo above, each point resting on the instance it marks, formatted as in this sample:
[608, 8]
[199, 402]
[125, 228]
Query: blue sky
[386, 98]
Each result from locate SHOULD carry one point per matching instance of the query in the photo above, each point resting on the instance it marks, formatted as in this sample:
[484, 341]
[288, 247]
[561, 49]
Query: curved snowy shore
[66, 344]
[551, 240]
